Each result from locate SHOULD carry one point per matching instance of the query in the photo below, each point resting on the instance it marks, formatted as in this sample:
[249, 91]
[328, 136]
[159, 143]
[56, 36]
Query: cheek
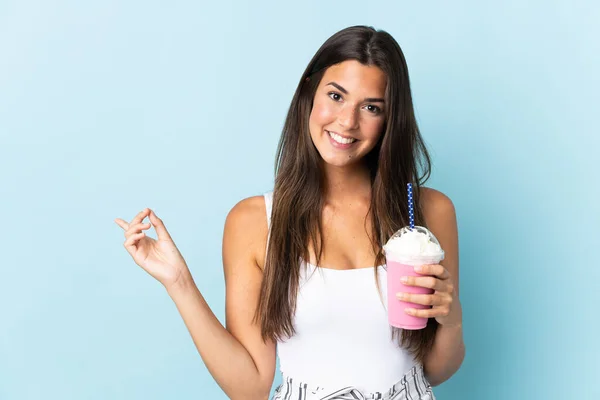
[373, 128]
[321, 113]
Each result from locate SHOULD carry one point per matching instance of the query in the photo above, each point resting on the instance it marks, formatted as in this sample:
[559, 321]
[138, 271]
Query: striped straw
[411, 212]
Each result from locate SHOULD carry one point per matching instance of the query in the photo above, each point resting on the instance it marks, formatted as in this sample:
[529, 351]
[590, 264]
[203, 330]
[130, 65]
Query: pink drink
[406, 249]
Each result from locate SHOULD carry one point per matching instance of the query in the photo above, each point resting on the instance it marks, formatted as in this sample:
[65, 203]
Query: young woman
[304, 270]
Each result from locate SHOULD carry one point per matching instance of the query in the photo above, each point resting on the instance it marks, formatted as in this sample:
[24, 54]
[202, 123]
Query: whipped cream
[413, 245]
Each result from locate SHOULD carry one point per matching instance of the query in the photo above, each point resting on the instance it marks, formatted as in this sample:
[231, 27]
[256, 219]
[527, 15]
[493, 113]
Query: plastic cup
[401, 264]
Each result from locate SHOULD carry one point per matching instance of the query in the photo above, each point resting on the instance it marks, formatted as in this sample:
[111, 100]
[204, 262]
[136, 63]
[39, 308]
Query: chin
[339, 162]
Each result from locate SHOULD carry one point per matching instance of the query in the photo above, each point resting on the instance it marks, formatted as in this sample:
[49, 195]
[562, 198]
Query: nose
[348, 117]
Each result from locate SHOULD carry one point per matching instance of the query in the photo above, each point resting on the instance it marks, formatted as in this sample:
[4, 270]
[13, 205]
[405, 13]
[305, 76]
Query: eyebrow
[368, 99]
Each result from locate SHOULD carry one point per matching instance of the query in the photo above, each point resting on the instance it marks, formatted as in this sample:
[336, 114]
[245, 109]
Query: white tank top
[343, 337]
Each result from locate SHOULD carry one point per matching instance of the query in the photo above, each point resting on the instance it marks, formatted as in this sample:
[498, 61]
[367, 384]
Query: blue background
[107, 107]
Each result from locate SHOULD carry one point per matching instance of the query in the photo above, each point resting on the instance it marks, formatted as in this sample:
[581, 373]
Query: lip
[340, 146]
[339, 134]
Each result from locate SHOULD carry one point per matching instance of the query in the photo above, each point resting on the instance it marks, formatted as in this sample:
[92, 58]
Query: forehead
[357, 78]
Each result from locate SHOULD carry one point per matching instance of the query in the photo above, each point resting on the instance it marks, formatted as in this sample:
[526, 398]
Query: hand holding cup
[438, 302]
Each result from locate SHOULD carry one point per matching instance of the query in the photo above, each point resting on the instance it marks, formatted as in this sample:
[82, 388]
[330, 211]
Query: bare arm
[448, 350]
[237, 358]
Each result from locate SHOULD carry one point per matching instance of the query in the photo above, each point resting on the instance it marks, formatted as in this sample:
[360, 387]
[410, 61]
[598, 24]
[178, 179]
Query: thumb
[161, 230]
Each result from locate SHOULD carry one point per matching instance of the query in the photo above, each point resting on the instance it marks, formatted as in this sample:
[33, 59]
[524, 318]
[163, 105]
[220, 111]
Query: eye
[374, 109]
[332, 94]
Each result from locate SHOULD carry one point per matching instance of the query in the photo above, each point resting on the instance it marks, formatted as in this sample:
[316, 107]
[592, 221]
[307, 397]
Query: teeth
[340, 139]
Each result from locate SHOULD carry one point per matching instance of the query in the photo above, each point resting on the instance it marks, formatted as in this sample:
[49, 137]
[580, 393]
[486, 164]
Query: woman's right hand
[160, 258]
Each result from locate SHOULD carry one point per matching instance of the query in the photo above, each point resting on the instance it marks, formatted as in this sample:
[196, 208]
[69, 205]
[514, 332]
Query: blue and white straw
[411, 212]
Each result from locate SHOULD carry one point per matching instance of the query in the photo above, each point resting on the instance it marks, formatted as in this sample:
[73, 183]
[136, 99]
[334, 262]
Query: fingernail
[400, 295]
[418, 268]
[404, 279]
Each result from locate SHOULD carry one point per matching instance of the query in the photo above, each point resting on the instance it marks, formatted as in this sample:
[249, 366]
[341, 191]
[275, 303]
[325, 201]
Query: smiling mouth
[340, 139]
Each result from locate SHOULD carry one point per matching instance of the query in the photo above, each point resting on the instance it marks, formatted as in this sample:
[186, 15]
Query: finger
[131, 242]
[429, 282]
[441, 311]
[140, 217]
[161, 230]
[122, 223]
[424, 299]
[136, 229]
[433, 269]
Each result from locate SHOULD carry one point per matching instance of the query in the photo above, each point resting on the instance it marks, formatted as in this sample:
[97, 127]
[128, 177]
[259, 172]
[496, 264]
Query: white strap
[269, 205]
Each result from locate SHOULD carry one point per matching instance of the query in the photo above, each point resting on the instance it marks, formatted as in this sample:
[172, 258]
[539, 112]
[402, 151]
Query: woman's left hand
[445, 306]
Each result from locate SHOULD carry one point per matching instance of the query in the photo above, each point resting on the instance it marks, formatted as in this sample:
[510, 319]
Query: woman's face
[348, 112]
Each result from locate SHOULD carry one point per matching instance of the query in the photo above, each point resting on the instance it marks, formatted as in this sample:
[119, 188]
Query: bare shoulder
[436, 205]
[249, 211]
[440, 217]
[246, 226]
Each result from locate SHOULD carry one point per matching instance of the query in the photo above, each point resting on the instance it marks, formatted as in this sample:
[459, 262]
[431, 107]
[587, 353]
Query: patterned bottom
[412, 386]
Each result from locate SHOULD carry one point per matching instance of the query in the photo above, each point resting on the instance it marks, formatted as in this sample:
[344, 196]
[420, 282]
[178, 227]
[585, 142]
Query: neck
[347, 184]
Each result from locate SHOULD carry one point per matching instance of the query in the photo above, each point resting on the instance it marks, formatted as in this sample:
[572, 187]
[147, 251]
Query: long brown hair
[399, 157]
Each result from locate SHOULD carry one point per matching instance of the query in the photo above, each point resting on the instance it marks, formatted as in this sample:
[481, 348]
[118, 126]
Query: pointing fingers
[136, 220]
